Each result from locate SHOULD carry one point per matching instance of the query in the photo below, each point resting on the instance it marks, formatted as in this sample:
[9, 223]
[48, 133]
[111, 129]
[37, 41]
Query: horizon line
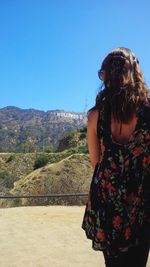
[31, 108]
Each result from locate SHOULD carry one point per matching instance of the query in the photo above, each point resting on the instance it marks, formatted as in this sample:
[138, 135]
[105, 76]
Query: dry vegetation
[69, 174]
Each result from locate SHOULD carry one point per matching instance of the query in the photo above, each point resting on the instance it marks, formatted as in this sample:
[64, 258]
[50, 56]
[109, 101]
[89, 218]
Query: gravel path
[45, 236]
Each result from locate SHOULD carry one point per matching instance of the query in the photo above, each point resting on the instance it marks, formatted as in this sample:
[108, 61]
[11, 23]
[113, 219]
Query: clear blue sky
[51, 50]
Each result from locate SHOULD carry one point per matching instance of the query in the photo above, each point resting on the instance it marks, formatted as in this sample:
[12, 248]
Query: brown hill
[70, 175]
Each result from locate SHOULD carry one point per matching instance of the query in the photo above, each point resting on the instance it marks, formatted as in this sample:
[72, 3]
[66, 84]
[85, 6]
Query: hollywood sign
[70, 115]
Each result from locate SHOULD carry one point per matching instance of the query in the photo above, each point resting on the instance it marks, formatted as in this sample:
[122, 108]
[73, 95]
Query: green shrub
[7, 179]
[79, 150]
[11, 157]
[49, 149]
[82, 136]
[83, 149]
[83, 130]
[41, 161]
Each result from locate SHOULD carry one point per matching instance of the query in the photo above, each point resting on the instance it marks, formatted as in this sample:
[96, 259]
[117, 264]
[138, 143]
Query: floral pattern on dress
[117, 213]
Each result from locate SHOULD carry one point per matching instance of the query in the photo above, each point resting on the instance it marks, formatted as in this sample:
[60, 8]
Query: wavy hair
[124, 89]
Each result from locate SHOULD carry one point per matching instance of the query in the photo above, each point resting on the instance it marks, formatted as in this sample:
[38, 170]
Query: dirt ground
[45, 236]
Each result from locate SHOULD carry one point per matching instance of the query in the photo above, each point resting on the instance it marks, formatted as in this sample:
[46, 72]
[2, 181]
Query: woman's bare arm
[92, 139]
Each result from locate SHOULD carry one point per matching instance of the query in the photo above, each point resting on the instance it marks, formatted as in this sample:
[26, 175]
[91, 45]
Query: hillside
[63, 173]
[76, 139]
[30, 130]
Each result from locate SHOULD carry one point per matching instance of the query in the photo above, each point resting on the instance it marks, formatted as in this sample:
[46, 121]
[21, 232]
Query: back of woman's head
[124, 86]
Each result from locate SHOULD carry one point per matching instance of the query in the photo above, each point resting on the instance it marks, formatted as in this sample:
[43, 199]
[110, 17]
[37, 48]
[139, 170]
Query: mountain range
[31, 130]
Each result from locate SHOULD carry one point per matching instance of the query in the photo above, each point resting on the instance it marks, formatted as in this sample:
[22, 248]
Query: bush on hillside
[79, 150]
[49, 149]
[41, 161]
[6, 179]
[83, 130]
[11, 157]
[82, 136]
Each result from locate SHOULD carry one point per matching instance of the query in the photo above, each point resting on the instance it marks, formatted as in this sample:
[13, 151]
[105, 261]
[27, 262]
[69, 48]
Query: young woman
[117, 214]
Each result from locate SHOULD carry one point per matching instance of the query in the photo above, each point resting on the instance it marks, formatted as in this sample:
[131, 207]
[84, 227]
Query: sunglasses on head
[101, 74]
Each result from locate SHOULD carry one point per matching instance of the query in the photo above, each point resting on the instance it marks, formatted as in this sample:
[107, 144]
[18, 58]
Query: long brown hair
[124, 88]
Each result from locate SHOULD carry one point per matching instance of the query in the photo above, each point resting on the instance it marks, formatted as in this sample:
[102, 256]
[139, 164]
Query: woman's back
[123, 183]
[117, 214]
[122, 132]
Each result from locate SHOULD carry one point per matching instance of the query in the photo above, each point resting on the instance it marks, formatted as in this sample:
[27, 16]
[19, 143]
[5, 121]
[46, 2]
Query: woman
[117, 214]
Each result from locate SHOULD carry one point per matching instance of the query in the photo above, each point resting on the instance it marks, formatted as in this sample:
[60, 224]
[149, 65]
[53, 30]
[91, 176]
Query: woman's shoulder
[93, 115]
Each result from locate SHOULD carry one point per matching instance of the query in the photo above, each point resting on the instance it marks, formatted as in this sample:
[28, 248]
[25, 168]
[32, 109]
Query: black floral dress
[117, 213]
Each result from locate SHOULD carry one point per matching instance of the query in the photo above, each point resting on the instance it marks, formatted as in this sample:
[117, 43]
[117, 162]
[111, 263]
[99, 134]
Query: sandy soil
[45, 237]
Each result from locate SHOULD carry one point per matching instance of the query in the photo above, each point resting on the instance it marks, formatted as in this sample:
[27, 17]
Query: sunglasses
[101, 74]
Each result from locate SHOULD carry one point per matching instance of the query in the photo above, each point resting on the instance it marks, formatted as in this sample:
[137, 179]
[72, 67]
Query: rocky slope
[30, 130]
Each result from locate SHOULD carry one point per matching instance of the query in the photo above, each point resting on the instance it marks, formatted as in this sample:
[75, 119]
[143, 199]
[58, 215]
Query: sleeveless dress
[117, 212]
